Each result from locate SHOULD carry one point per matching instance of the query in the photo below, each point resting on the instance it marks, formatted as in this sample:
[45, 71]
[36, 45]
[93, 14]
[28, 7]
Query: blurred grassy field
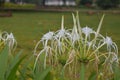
[28, 27]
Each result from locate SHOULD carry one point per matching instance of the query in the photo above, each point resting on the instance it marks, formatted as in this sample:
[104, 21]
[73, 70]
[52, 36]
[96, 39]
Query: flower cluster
[83, 44]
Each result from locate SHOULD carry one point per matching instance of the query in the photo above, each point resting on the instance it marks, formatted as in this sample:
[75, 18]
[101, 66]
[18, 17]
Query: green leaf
[26, 68]
[92, 76]
[15, 60]
[42, 75]
[12, 63]
[14, 69]
[99, 26]
[50, 76]
[3, 62]
[116, 69]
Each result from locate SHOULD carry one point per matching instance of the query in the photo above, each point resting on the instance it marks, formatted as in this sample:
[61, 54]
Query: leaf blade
[3, 62]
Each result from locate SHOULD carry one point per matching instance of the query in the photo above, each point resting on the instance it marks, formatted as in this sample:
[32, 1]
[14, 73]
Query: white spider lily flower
[59, 37]
[111, 44]
[10, 38]
[47, 36]
[74, 35]
[108, 41]
[11, 42]
[87, 31]
[60, 33]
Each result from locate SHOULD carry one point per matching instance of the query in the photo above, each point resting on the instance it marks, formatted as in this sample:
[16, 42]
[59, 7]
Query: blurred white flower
[74, 35]
[59, 37]
[110, 44]
[10, 36]
[108, 41]
[87, 31]
[47, 36]
[11, 42]
[60, 33]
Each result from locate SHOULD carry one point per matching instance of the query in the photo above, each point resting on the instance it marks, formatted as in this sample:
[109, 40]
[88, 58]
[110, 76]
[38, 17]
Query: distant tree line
[37, 2]
[2, 3]
[26, 1]
[104, 4]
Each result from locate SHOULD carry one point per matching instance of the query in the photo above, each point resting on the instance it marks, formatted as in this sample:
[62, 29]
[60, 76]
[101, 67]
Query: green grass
[28, 27]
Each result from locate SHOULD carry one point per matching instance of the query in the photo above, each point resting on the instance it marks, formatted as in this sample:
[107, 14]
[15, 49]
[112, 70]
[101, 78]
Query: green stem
[82, 72]
[62, 74]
